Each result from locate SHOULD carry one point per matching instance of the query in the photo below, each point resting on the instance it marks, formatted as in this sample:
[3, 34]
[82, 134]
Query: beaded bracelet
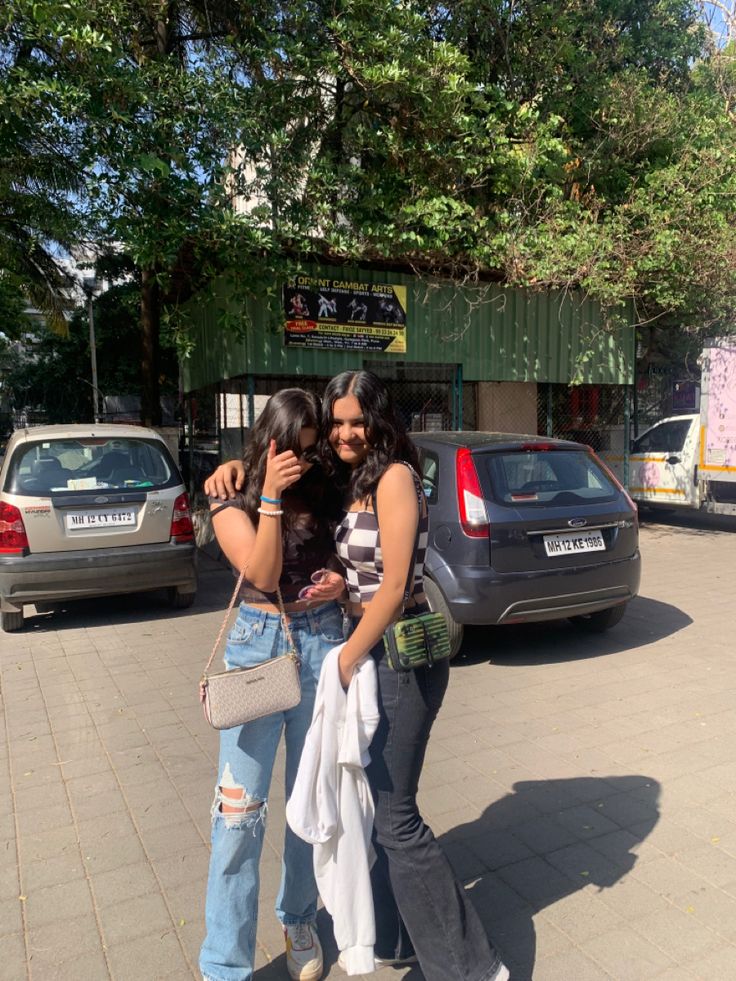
[271, 514]
[271, 500]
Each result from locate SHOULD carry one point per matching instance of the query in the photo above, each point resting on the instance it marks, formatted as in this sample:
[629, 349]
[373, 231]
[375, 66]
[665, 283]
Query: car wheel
[596, 623]
[12, 620]
[438, 604]
[179, 599]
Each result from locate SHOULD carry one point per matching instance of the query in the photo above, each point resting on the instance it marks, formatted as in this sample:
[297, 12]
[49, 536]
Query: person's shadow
[544, 841]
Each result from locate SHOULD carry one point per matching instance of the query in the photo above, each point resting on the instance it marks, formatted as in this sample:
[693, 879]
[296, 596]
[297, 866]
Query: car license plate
[574, 541]
[99, 519]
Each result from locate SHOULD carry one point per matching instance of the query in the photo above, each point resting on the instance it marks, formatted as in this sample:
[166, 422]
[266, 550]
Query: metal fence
[428, 397]
[664, 390]
[600, 416]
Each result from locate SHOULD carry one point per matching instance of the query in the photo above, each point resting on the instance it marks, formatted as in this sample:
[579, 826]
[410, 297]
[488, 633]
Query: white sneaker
[502, 974]
[303, 952]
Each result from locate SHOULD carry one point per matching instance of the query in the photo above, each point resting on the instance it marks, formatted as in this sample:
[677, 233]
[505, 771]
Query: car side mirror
[673, 459]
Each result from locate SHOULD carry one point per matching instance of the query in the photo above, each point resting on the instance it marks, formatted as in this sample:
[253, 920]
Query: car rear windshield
[89, 464]
[529, 478]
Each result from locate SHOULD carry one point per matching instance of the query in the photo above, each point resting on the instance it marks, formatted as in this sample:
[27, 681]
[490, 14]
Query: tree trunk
[151, 299]
[150, 328]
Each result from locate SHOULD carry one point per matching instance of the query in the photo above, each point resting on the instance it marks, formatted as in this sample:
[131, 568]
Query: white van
[689, 461]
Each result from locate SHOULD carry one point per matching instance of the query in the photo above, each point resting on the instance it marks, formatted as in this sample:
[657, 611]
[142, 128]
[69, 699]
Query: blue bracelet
[271, 500]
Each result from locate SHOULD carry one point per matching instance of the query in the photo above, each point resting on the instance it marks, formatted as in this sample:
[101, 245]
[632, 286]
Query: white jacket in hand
[332, 808]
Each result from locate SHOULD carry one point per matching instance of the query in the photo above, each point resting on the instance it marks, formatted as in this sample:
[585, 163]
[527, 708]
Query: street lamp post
[89, 286]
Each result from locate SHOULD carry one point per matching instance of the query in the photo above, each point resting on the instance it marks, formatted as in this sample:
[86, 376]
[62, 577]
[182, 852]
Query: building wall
[507, 407]
[495, 333]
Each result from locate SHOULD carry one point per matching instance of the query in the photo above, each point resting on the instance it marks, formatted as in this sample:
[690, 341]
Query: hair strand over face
[285, 415]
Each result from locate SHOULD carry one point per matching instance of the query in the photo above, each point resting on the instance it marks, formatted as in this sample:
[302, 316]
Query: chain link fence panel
[599, 416]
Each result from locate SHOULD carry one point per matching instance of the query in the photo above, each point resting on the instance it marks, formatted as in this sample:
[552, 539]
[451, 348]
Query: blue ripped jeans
[247, 755]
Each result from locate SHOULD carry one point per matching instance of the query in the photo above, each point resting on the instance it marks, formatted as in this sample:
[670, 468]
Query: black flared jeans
[420, 905]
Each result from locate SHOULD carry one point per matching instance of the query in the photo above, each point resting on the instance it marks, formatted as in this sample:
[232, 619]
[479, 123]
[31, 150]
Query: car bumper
[481, 596]
[48, 577]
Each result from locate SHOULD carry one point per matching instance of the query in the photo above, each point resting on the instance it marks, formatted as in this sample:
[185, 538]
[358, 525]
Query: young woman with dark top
[422, 912]
[279, 529]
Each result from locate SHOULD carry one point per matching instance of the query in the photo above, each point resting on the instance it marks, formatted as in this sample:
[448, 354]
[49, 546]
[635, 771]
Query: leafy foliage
[53, 373]
[538, 142]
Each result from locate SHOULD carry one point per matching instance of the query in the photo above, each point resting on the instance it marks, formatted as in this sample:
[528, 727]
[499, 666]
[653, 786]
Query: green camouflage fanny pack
[416, 641]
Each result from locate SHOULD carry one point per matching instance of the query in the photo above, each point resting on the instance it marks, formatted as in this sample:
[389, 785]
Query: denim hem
[294, 920]
[209, 977]
[494, 970]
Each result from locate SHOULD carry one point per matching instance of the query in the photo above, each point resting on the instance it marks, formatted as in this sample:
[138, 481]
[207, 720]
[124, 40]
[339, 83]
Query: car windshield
[529, 478]
[667, 437]
[88, 464]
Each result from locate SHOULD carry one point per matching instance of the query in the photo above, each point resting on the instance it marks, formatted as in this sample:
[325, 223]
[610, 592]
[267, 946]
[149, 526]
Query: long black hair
[285, 415]
[384, 431]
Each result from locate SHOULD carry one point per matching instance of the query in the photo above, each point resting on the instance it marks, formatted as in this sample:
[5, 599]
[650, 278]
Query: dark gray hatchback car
[525, 528]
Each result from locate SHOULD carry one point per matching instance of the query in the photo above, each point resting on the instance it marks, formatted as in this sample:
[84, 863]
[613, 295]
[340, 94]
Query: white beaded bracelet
[271, 514]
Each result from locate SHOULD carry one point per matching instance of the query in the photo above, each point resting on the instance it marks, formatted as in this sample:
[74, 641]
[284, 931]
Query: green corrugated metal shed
[496, 333]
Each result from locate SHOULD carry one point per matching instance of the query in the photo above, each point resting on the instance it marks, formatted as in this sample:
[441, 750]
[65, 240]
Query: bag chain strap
[203, 679]
[284, 623]
[292, 652]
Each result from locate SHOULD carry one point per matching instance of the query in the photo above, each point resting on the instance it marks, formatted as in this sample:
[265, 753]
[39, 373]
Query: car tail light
[544, 447]
[614, 480]
[182, 529]
[470, 502]
[13, 538]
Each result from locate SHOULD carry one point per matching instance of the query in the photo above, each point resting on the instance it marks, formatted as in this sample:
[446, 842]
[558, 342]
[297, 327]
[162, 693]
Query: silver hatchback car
[91, 510]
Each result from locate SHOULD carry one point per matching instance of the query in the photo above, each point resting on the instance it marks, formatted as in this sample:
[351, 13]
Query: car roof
[92, 429]
[497, 441]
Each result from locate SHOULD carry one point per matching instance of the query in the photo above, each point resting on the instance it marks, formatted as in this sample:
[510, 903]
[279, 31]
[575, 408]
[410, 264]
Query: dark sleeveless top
[358, 544]
[305, 550]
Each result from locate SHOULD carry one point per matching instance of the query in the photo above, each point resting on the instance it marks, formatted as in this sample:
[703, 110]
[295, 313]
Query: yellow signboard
[344, 315]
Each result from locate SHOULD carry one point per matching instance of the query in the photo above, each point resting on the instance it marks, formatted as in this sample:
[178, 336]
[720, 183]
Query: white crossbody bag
[232, 698]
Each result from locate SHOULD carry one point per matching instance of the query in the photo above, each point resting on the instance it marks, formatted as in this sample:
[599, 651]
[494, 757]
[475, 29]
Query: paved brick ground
[584, 786]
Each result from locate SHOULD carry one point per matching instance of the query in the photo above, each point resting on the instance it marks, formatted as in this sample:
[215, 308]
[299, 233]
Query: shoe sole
[314, 975]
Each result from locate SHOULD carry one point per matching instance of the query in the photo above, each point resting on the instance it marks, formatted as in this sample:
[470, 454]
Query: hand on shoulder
[226, 481]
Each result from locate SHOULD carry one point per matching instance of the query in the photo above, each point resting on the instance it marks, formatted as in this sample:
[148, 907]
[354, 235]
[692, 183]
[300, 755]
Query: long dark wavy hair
[384, 430]
[285, 415]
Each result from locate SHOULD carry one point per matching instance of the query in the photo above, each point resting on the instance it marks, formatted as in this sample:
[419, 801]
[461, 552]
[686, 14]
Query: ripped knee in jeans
[238, 808]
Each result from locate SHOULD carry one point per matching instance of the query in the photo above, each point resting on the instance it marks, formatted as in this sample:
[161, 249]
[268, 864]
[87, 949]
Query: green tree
[545, 143]
[36, 216]
[13, 318]
[301, 109]
[53, 375]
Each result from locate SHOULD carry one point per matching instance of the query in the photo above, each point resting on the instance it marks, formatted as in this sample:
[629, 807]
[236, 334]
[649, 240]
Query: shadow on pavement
[688, 522]
[554, 641]
[545, 841]
[537, 845]
[215, 585]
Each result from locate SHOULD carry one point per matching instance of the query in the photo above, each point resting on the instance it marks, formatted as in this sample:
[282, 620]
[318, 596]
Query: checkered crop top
[358, 545]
